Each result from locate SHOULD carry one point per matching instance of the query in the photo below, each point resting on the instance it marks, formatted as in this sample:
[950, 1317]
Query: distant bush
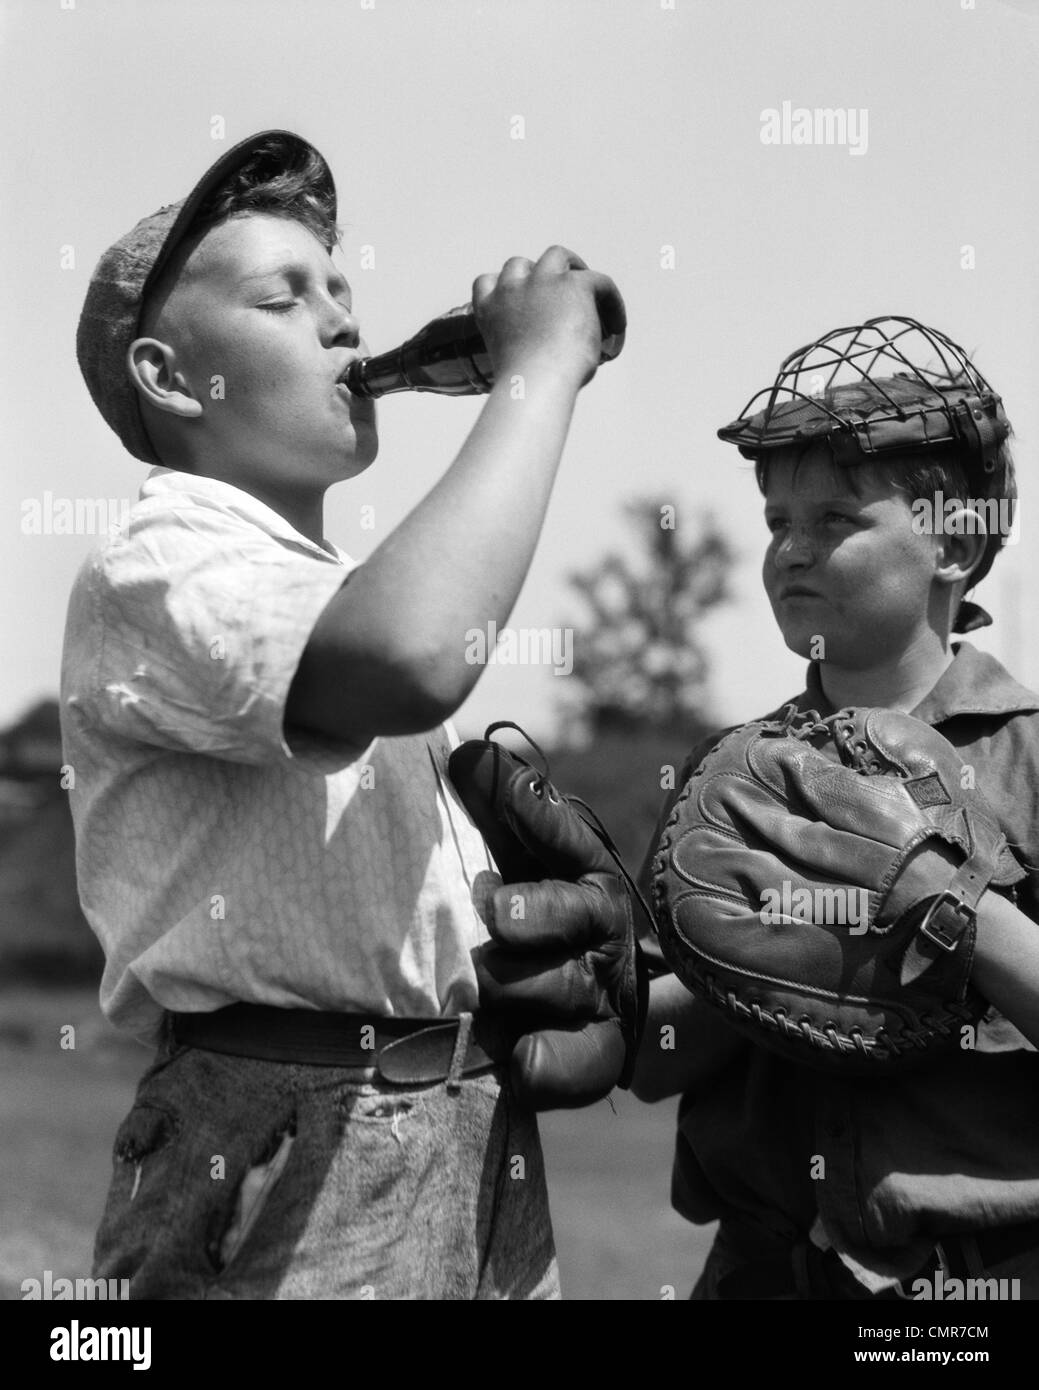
[620, 775]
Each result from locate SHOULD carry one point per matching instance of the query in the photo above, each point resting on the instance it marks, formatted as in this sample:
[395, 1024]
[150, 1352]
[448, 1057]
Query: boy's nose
[340, 326]
[794, 549]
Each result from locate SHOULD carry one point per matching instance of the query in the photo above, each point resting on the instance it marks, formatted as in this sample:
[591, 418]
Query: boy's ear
[963, 539]
[153, 371]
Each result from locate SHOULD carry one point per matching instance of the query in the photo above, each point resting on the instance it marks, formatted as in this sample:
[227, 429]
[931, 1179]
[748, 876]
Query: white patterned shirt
[218, 861]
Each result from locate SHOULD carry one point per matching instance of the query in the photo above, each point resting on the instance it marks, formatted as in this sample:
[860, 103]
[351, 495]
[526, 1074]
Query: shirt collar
[163, 481]
[974, 683]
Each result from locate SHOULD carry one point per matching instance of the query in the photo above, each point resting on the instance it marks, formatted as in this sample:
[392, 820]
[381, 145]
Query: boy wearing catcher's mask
[888, 491]
[268, 843]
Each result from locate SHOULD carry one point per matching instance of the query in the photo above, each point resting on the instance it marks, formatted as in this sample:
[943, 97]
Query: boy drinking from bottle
[268, 846]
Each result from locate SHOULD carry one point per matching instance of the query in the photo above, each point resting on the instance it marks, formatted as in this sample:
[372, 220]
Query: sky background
[642, 126]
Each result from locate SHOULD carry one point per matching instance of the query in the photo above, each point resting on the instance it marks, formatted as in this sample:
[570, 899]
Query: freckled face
[844, 565]
[261, 305]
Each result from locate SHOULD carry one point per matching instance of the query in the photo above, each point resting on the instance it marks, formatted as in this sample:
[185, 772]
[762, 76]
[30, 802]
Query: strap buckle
[935, 933]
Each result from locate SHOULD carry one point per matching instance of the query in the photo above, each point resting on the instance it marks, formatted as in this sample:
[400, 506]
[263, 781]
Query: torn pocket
[253, 1194]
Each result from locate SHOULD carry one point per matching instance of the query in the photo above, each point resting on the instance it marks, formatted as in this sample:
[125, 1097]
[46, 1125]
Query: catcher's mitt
[818, 880]
[565, 968]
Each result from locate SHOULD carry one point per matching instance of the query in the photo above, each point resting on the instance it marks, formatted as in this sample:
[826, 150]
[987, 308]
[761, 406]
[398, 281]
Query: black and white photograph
[519, 727]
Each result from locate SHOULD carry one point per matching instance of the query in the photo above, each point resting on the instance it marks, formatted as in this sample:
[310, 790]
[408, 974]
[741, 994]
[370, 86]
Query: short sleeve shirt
[220, 857]
[950, 1148]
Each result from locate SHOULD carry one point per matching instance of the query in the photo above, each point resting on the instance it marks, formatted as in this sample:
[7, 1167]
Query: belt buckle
[935, 934]
[446, 1050]
[418, 1058]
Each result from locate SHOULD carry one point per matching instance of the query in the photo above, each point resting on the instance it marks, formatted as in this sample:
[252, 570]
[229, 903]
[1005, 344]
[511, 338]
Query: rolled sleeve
[200, 620]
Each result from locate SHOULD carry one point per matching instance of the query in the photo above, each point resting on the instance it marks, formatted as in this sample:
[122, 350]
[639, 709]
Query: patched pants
[245, 1179]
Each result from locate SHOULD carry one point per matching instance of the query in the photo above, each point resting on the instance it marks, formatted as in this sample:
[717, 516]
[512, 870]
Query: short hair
[261, 185]
[301, 193]
[947, 466]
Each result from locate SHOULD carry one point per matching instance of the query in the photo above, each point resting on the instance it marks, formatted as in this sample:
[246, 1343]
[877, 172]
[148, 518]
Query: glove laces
[541, 786]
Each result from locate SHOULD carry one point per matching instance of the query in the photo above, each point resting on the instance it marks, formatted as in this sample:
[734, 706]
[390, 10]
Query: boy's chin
[804, 644]
[357, 461]
[817, 646]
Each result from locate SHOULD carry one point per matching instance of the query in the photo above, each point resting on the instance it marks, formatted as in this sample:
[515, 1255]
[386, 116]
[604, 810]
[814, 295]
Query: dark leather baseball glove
[563, 966]
[818, 879]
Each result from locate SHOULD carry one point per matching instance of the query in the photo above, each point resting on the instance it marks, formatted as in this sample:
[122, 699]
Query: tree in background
[639, 661]
[639, 686]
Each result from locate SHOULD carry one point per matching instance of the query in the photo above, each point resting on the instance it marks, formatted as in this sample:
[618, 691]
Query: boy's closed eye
[831, 517]
[279, 306]
[289, 285]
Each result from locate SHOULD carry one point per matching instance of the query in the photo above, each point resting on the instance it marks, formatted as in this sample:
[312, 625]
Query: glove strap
[950, 917]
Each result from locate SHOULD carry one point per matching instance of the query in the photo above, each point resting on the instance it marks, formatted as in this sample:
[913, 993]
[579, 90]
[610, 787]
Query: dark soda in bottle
[448, 357]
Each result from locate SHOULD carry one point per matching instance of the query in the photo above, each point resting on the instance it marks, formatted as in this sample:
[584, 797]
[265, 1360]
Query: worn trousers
[236, 1178]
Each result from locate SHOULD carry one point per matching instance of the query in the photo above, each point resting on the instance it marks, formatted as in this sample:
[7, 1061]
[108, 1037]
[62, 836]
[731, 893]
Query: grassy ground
[59, 1108]
[609, 1176]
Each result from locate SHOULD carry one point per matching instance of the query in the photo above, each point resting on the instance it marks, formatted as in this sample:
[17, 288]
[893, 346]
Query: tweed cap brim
[111, 312]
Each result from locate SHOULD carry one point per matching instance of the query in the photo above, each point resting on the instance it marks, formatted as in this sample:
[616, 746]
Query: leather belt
[405, 1051]
[775, 1276]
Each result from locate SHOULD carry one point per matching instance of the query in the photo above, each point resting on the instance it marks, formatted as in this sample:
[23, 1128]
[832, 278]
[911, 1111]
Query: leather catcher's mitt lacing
[856, 754]
[810, 724]
[829, 1037]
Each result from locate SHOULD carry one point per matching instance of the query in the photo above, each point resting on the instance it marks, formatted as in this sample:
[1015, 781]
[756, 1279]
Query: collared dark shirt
[906, 1159]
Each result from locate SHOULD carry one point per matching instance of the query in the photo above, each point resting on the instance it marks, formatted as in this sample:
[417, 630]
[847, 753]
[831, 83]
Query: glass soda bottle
[448, 356]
